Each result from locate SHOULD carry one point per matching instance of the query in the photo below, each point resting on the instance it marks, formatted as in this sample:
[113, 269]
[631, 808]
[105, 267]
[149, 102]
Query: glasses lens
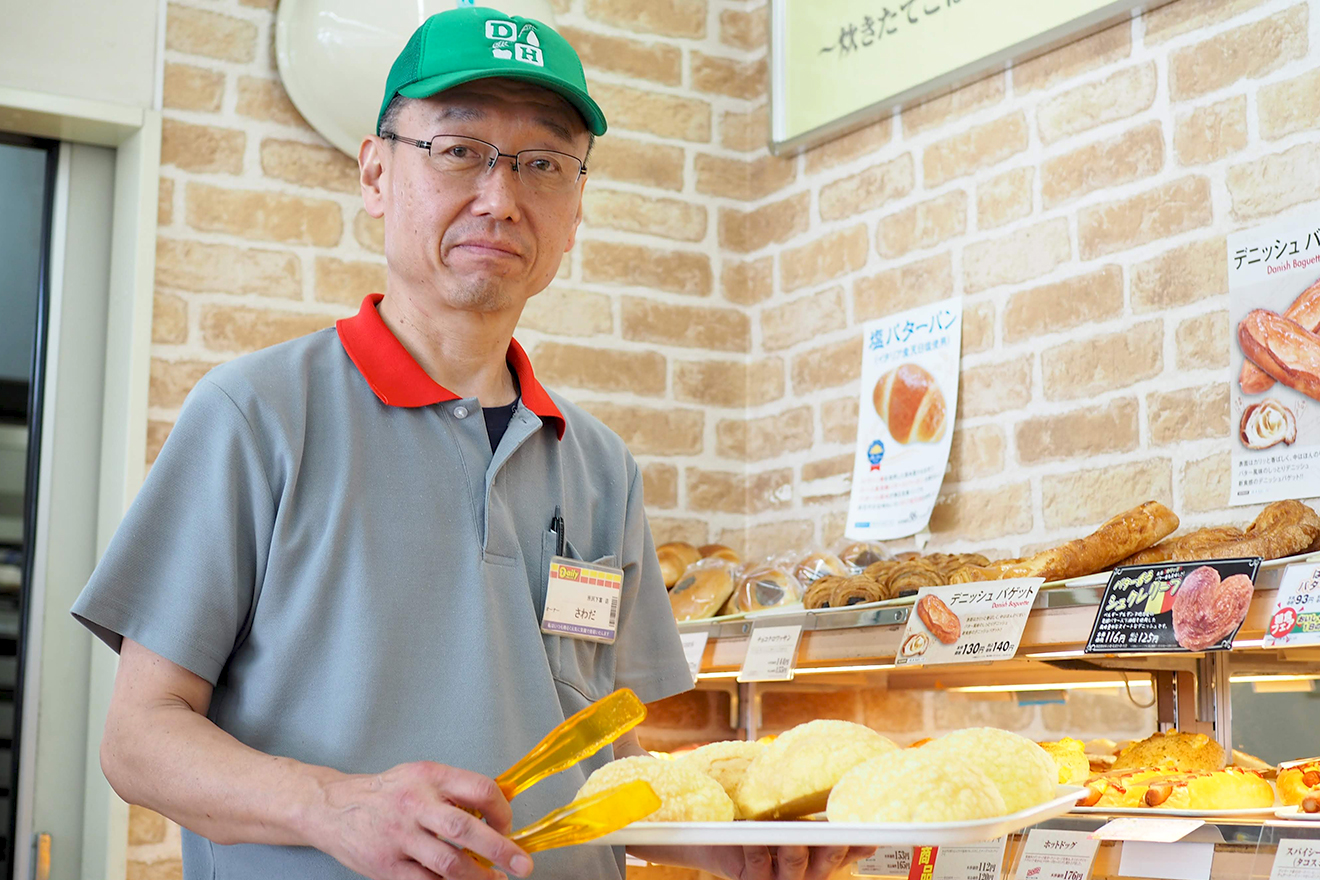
[547, 170]
[460, 155]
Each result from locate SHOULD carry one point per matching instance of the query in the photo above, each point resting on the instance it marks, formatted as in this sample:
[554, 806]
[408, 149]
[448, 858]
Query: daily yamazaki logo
[569, 574]
[510, 41]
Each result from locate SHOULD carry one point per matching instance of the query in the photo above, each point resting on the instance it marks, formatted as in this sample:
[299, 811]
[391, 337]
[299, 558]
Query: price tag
[1296, 617]
[694, 648]
[967, 623]
[1057, 855]
[1296, 860]
[888, 861]
[1157, 830]
[771, 653]
[1167, 861]
[978, 861]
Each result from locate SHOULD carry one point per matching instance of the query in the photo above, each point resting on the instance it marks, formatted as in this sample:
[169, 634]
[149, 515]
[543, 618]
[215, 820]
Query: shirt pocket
[584, 666]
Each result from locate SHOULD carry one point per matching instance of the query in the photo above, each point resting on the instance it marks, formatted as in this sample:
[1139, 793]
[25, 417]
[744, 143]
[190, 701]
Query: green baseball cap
[477, 42]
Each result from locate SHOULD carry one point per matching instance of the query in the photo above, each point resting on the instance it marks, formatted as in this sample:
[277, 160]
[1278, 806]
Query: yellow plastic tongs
[590, 817]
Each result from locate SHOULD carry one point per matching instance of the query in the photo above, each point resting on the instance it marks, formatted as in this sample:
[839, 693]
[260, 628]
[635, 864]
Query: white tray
[1187, 814]
[820, 833]
[1295, 812]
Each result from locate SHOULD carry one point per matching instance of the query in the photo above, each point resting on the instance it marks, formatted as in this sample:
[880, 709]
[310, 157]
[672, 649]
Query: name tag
[582, 600]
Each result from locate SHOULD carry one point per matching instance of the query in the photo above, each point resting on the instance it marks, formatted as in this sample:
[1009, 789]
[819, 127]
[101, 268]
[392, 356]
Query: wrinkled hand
[785, 862]
[411, 823]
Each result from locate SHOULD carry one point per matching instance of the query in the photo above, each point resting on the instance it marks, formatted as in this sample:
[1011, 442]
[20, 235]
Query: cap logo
[507, 41]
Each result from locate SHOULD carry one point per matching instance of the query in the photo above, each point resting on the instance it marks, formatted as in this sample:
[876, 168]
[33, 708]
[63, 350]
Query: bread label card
[1166, 861]
[976, 861]
[694, 648]
[967, 623]
[1056, 855]
[1165, 607]
[909, 396]
[1274, 314]
[1296, 859]
[1296, 616]
[888, 861]
[582, 600]
[771, 653]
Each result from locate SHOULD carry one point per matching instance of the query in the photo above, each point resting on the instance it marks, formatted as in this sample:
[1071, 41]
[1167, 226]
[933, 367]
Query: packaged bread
[702, 590]
[764, 587]
[1297, 779]
[674, 558]
[1022, 771]
[686, 794]
[1181, 751]
[857, 555]
[814, 566]
[1167, 789]
[719, 551]
[914, 785]
[725, 762]
[1069, 756]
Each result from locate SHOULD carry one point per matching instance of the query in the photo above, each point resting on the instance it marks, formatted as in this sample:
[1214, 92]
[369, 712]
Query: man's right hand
[412, 822]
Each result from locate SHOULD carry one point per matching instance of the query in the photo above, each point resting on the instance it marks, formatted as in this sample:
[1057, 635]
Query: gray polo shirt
[327, 538]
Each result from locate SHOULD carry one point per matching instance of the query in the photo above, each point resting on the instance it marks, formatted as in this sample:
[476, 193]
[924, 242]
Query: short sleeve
[649, 654]
[180, 574]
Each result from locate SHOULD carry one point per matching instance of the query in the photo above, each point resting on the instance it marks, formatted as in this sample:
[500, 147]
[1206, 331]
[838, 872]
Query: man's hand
[759, 862]
[412, 822]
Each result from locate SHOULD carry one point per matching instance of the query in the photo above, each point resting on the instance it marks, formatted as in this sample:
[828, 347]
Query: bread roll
[674, 558]
[1120, 537]
[1296, 782]
[1182, 751]
[765, 588]
[815, 566]
[719, 551]
[910, 403]
[702, 590]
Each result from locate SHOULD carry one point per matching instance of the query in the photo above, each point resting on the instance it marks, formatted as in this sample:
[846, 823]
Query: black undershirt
[498, 417]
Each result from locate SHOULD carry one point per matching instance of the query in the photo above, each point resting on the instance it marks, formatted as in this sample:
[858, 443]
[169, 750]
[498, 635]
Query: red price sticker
[1283, 622]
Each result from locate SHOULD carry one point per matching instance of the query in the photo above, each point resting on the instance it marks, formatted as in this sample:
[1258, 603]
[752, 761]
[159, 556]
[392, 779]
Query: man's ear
[371, 175]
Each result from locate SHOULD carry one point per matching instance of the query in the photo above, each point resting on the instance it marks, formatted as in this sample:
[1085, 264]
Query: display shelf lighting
[1045, 686]
[806, 670]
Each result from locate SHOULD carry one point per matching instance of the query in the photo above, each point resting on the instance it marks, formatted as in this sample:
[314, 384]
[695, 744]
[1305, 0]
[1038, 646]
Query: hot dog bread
[1282, 348]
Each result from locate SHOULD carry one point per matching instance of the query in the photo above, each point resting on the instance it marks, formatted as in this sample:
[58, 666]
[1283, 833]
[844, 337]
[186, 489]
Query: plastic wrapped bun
[914, 785]
[674, 558]
[728, 554]
[725, 762]
[702, 590]
[765, 587]
[686, 795]
[815, 566]
[857, 555]
[1070, 756]
[1022, 771]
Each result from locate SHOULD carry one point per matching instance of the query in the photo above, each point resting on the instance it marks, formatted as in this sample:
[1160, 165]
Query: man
[328, 597]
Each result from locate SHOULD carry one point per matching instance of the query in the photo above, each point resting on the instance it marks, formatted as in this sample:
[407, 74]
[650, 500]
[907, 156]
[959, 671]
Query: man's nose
[497, 191]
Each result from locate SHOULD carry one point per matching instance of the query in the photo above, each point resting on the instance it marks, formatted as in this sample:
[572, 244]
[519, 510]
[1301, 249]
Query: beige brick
[631, 212]
[893, 711]
[1286, 107]
[631, 161]
[1079, 433]
[145, 826]
[832, 527]
[1186, 16]
[1154, 214]
[867, 190]
[716, 329]
[981, 514]
[1089, 53]
[864, 141]
[827, 366]
[1004, 198]
[629, 264]
[265, 216]
[978, 332]
[369, 232]
[980, 146]
[601, 369]
[1102, 363]
[749, 282]
[1087, 498]
[1180, 276]
[1122, 94]
[834, 466]
[757, 439]
[169, 319]
[955, 104]
[825, 258]
[1205, 483]
[1018, 256]
[1064, 304]
[165, 202]
[693, 531]
[567, 312]
[801, 319]
[905, 287]
[170, 381]
[687, 711]
[727, 76]
[347, 282]
[1249, 50]
[745, 131]
[221, 268]
[838, 419]
[722, 492]
[657, 62]
[732, 384]
[781, 710]
[922, 225]
[668, 18]
[168, 868]
[265, 99]
[976, 452]
[1208, 134]
[765, 539]
[1130, 156]
[200, 32]
[746, 231]
[646, 431]
[1266, 186]
[237, 329]
[746, 180]
[193, 88]
[1188, 414]
[952, 711]
[201, 148]
[668, 116]
[990, 389]
[660, 485]
[1203, 342]
[745, 30]
[157, 433]
[309, 165]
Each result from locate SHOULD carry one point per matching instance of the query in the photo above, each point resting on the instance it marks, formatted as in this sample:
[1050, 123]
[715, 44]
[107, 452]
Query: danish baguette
[1120, 537]
[1305, 310]
[1284, 349]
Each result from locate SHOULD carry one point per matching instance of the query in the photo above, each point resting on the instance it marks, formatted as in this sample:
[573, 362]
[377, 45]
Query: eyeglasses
[543, 171]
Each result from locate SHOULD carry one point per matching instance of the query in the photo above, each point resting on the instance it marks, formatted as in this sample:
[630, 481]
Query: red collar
[398, 380]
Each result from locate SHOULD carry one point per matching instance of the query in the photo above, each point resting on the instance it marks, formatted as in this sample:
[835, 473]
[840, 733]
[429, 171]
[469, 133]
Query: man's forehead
[485, 98]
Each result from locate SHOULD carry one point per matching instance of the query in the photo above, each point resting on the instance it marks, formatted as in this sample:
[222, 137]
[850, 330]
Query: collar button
[460, 412]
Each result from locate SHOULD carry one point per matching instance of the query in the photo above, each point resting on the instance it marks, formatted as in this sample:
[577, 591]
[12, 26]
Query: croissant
[910, 404]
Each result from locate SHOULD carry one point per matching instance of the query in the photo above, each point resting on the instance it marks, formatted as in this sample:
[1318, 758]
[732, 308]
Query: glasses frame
[426, 145]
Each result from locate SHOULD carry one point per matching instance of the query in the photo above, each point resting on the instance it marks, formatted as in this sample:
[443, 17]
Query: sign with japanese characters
[1296, 860]
[888, 861]
[1173, 606]
[973, 861]
[1274, 315]
[1056, 855]
[967, 623]
[771, 653]
[1296, 617]
[836, 64]
[909, 396]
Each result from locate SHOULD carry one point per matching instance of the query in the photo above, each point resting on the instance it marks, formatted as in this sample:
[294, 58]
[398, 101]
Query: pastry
[1284, 528]
[719, 551]
[915, 785]
[1181, 751]
[1297, 780]
[1022, 771]
[857, 556]
[1305, 311]
[854, 591]
[1166, 789]
[1069, 755]
[674, 558]
[1207, 609]
[765, 588]
[1244, 761]
[1189, 546]
[817, 565]
[1267, 424]
[939, 619]
[1284, 349]
[818, 594]
[1120, 537]
[968, 574]
[725, 762]
[913, 575]
[702, 591]
[686, 794]
[910, 403]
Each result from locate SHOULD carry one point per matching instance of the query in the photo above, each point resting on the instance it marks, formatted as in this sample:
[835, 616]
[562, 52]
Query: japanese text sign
[771, 653]
[1296, 616]
[967, 623]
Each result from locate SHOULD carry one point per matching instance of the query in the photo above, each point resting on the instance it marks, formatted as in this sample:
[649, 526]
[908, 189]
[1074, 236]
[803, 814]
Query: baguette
[1282, 348]
[1305, 311]
[1120, 537]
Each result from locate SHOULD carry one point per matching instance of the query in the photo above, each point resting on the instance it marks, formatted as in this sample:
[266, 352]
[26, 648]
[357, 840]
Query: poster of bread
[908, 397]
[1274, 314]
